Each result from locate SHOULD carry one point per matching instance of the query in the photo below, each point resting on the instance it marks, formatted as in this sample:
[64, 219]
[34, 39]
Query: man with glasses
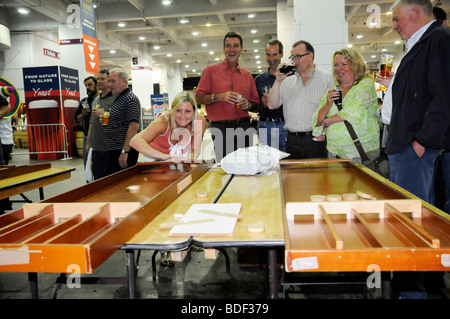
[300, 95]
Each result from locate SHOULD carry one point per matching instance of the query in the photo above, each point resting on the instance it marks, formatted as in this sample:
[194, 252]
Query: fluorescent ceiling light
[112, 51]
[142, 38]
[121, 24]
[359, 36]
[184, 20]
[167, 2]
[204, 44]
[23, 10]
[156, 47]
[251, 15]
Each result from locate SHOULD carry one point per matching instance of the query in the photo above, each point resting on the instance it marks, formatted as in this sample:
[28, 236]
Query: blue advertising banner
[90, 42]
[88, 21]
[41, 81]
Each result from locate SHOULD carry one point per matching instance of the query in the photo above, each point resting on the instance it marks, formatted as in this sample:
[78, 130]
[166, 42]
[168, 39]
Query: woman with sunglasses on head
[175, 135]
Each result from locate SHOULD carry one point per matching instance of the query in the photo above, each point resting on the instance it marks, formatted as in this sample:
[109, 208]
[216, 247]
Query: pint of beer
[386, 65]
[105, 117]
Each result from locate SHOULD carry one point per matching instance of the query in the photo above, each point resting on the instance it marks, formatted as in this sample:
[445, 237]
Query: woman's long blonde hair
[180, 99]
[355, 62]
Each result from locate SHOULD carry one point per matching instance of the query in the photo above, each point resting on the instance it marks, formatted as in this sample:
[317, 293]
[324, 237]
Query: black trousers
[229, 136]
[113, 160]
[301, 147]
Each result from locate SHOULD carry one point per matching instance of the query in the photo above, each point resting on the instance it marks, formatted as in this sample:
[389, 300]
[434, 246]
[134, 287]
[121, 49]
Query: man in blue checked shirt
[271, 122]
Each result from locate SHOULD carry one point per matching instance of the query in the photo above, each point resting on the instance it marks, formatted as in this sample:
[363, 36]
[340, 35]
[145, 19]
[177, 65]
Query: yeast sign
[90, 42]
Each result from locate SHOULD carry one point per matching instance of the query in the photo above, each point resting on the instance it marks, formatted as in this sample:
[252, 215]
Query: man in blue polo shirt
[271, 122]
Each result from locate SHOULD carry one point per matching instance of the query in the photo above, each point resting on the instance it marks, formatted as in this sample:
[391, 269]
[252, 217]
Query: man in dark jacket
[420, 122]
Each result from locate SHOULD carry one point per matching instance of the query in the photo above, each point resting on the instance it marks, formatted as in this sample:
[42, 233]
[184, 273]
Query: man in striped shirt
[124, 119]
[300, 96]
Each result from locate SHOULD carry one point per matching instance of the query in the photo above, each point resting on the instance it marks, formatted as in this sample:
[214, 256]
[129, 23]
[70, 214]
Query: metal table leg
[273, 277]
[386, 290]
[227, 258]
[154, 264]
[131, 273]
[33, 280]
[41, 193]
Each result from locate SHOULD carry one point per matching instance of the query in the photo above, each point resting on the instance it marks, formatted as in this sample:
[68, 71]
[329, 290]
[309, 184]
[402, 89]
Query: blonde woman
[175, 135]
[359, 108]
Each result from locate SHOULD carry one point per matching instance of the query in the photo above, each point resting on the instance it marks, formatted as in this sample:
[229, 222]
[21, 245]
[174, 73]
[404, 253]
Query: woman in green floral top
[359, 107]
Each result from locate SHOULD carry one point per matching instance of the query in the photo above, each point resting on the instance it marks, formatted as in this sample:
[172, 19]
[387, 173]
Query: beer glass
[386, 65]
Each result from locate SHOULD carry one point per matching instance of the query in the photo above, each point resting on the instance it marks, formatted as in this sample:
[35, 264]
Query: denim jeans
[413, 173]
[445, 164]
[272, 134]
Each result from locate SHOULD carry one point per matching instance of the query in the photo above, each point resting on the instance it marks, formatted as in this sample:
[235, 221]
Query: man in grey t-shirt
[96, 138]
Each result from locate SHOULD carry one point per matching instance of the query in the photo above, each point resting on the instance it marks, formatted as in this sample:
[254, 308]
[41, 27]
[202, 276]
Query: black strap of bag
[351, 130]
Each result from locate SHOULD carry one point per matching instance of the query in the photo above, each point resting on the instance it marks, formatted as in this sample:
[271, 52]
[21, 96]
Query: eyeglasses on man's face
[298, 56]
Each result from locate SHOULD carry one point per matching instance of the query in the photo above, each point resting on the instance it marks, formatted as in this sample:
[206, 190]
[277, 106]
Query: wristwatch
[125, 152]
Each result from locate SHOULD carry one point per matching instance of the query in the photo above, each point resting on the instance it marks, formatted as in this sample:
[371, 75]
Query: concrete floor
[193, 278]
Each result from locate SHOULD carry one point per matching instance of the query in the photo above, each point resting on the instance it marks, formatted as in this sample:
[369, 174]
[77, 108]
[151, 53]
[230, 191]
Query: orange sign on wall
[91, 55]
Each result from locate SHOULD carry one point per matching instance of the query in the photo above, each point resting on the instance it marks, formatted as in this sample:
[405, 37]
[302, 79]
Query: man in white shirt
[300, 96]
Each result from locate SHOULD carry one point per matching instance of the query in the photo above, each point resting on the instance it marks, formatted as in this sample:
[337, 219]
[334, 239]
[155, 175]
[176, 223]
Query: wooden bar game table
[387, 227]
[87, 225]
[261, 205]
[16, 180]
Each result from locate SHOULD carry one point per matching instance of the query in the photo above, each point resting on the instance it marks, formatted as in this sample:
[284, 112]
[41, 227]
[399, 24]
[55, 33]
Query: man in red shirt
[228, 91]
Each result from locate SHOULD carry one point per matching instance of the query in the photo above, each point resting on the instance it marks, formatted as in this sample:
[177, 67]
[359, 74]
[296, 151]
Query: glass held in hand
[386, 65]
[238, 102]
[338, 101]
[85, 104]
[104, 119]
[288, 66]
